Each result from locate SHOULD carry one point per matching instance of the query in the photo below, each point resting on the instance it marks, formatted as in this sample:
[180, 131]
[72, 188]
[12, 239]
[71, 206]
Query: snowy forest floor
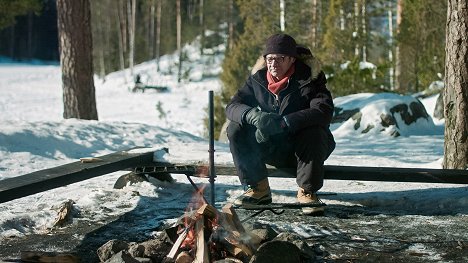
[347, 232]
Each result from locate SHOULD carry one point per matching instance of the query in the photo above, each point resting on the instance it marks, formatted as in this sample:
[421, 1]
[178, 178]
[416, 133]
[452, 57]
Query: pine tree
[421, 44]
[260, 20]
[74, 22]
[13, 8]
[456, 87]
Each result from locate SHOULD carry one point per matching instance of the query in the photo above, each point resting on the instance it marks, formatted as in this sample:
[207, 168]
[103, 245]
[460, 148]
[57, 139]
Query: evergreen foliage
[341, 33]
[422, 43]
[10, 9]
[259, 21]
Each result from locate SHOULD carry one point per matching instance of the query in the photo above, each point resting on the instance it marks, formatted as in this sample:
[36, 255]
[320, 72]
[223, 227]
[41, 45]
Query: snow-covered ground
[34, 136]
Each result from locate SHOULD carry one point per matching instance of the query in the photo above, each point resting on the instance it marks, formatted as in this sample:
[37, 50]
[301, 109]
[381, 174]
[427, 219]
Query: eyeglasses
[270, 60]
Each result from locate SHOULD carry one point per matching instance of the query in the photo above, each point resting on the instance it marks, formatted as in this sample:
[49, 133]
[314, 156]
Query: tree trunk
[390, 49]
[131, 9]
[282, 11]
[356, 27]
[11, 49]
[456, 86]
[121, 6]
[30, 35]
[314, 28]
[398, 81]
[75, 41]
[100, 47]
[158, 32]
[151, 30]
[179, 40]
[120, 42]
[230, 24]
[364, 30]
[202, 26]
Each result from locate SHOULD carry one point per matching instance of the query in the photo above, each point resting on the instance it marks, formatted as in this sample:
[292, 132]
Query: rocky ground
[356, 234]
[344, 234]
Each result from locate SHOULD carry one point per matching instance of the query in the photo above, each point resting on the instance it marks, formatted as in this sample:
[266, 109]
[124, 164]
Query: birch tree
[456, 86]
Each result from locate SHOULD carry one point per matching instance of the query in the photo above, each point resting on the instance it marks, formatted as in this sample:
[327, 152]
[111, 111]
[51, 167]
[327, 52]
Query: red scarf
[276, 86]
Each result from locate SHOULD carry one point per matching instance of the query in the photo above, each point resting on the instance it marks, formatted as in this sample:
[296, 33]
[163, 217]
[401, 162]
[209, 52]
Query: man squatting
[281, 117]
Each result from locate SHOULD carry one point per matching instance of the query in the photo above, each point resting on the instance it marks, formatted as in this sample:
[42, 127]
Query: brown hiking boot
[305, 197]
[259, 194]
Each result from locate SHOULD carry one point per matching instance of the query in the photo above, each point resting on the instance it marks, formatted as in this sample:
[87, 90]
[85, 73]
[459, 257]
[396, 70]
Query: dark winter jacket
[305, 102]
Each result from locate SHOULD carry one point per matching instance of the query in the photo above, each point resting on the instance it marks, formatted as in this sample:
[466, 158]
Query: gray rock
[277, 251]
[129, 179]
[110, 248]
[405, 110]
[307, 252]
[343, 115]
[263, 231]
[122, 257]
[155, 249]
[417, 111]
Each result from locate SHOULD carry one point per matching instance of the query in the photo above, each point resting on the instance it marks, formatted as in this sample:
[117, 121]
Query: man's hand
[268, 125]
[253, 115]
[260, 137]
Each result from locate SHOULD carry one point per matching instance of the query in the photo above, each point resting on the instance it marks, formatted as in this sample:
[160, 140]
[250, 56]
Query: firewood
[90, 160]
[40, 256]
[237, 242]
[201, 256]
[232, 220]
[208, 211]
[176, 246]
[243, 240]
[184, 257]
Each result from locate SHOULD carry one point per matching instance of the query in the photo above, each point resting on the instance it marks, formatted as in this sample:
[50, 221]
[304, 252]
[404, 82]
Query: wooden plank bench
[332, 172]
[142, 162]
[43, 180]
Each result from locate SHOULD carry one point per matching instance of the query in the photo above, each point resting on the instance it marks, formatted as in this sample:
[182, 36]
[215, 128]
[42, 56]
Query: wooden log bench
[142, 162]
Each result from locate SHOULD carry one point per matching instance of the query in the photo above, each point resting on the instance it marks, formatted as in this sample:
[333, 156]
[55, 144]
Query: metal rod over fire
[211, 149]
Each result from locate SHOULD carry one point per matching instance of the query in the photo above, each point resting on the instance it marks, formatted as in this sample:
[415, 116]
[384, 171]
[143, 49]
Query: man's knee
[314, 141]
[233, 130]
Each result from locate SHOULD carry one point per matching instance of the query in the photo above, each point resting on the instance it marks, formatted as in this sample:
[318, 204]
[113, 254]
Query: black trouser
[305, 150]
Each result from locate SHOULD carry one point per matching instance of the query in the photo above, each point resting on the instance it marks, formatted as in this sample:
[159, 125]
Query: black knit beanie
[280, 44]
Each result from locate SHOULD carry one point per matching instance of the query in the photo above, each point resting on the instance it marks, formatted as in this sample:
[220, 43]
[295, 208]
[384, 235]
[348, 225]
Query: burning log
[178, 243]
[184, 257]
[201, 255]
[209, 234]
[208, 211]
[232, 220]
[197, 220]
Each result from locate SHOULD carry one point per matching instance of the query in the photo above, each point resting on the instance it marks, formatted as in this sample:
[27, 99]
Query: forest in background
[365, 46]
[403, 40]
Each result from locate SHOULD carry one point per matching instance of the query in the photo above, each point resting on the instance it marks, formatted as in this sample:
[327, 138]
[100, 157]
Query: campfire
[208, 234]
